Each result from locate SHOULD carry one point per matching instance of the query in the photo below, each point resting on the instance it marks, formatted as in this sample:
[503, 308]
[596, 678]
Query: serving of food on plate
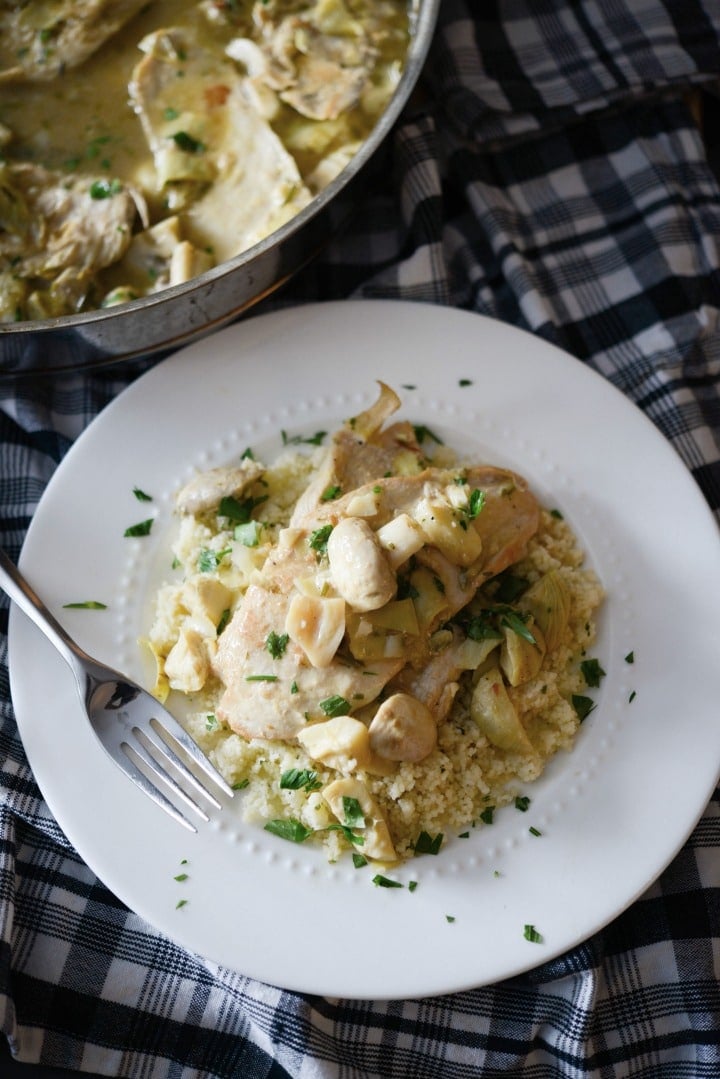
[144, 143]
[377, 641]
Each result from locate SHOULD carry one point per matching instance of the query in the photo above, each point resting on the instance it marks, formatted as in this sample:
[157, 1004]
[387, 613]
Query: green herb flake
[557, 514]
[487, 815]
[330, 493]
[583, 705]
[86, 605]
[142, 528]
[385, 882]
[238, 510]
[534, 831]
[359, 860]
[187, 143]
[142, 496]
[335, 706]
[295, 779]
[530, 933]
[412, 885]
[104, 189]
[318, 539]
[592, 672]
[632, 697]
[352, 813]
[630, 657]
[476, 501]
[261, 678]
[181, 877]
[522, 802]
[241, 784]
[224, 619]
[208, 560]
[181, 903]
[450, 918]
[291, 829]
[276, 643]
[465, 382]
[294, 688]
[428, 844]
[211, 723]
[422, 432]
[298, 440]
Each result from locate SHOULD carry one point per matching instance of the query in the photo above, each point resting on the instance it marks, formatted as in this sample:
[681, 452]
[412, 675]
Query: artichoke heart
[548, 601]
[520, 659]
[495, 714]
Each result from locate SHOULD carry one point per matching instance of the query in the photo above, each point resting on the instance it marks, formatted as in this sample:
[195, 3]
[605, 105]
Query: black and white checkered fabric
[550, 174]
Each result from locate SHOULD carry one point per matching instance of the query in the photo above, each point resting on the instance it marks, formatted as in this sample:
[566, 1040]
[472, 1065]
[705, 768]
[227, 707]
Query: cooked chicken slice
[361, 450]
[274, 698]
[207, 490]
[215, 156]
[320, 61]
[54, 226]
[39, 40]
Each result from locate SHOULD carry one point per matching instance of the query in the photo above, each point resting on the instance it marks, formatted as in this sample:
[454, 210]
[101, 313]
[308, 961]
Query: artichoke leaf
[495, 714]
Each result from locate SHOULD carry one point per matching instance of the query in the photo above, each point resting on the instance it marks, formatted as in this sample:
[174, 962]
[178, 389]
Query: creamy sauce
[81, 123]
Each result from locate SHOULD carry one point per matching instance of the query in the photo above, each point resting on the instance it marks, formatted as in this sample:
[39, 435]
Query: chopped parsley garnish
[428, 844]
[330, 493]
[298, 440]
[630, 657]
[359, 860]
[557, 514]
[318, 539]
[534, 831]
[142, 496]
[583, 705]
[385, 882]
[86, 605]
[522, 802]
[211, 723]
[276, 643]
[294, 688]
[295, 779]
[592, 672]
[352, 811]
[291, 829]
[475, 504]
[238, 510]
[412, 885]
[422, 432]
[188, 143]
[335, 706]
[514, 622]
[241, 784]
[181, 903]
[487, 815]
[181, 877]
[530, 933]
[465, 382]
[210, 560]
[104, 189]
[142, 528]
[510, 586]
[224, 619]
[450, 918]
[632, 697]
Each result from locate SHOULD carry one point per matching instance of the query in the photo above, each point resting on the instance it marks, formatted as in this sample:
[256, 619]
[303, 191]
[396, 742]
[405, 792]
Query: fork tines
[158, 768]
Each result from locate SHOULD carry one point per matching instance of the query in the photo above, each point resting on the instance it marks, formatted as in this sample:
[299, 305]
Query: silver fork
[141, 736]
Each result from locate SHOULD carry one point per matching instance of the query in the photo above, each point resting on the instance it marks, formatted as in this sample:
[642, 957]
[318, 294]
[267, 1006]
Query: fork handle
[24, 595]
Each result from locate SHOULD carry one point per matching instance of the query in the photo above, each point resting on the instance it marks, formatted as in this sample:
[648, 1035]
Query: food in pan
[379, 641]
[143, 143]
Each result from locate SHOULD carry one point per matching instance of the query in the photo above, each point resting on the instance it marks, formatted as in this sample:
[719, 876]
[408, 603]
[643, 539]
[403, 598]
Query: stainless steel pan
[180, 314]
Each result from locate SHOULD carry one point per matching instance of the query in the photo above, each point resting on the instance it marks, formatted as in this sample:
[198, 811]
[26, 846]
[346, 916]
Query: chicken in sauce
[143, 143]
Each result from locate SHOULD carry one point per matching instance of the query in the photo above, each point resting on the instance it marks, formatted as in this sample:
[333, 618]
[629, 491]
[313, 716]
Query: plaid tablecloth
[550, 173]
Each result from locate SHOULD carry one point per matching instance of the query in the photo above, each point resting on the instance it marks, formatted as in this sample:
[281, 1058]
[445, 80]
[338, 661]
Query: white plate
[612, 813]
